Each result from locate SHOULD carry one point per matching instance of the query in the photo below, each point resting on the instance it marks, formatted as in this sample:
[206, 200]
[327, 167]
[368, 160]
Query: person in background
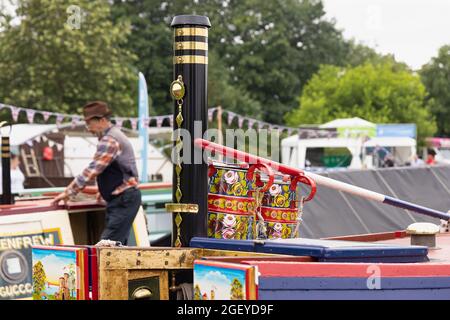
[17, 177]
[431, 158]
[389, 161]
[114, 168]
[417, 161]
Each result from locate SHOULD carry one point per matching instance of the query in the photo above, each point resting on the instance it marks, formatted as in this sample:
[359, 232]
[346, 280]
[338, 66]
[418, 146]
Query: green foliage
[436, 77]
[261, 52]
[359, 54]
[39, 279]
[197, 293]
[47, 64]
[236, 292]
[379, 93]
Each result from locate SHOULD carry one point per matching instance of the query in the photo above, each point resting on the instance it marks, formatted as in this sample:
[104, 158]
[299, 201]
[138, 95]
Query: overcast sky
[413, 30]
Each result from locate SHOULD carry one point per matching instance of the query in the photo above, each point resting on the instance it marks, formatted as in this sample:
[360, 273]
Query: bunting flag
[210, 114]
[159, 120]
[240, 122]
[30, 115]
[15, 113]
[59, 147]
[51, 143]
[230, 117]
[59, 119]
[133, 123]
[46, 115]
[119, 122]
[75, 120]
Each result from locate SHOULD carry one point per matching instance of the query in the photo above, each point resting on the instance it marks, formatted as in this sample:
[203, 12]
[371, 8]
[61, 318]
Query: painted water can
[252, 202]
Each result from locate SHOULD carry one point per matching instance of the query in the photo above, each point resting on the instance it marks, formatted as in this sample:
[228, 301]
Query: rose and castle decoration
[252, 202]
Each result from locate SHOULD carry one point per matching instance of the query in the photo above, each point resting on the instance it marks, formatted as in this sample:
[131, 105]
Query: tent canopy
[348, 122]
[21, 133]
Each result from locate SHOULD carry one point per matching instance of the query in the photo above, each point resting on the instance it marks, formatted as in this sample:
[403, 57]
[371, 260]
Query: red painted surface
[245, 260]
[36, 206]
[372, 236]
[438, 266]
[439, 254]
[142, 186]
[351, 270]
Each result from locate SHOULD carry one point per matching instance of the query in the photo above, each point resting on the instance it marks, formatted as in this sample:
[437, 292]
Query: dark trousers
[120, 214]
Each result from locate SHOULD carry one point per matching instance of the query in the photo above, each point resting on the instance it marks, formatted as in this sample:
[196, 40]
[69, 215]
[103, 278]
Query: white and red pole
[320, 180]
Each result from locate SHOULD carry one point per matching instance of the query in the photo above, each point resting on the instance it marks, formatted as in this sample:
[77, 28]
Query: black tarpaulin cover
[333, 213]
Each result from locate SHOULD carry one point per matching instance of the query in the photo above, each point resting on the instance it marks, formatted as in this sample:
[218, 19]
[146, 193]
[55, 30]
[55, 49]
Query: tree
[39, 278]
[358, 54]
[56, 59]
[265, 50]
[236, 290]
[436, 77]
[377, 93]
[197, 293]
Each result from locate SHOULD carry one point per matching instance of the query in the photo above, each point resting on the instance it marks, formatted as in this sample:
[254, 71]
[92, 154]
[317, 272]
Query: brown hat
[96, 109]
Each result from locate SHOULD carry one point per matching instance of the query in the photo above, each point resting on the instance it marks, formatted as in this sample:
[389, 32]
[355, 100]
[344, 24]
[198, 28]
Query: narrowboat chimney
[7, 197]
[189, 90]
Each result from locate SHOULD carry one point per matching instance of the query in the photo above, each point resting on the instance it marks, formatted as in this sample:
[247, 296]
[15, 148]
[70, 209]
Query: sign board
[15, 257]
[397, 130]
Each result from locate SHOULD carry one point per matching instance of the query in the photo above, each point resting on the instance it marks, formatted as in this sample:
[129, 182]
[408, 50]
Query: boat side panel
[329, 283]
[407, 294]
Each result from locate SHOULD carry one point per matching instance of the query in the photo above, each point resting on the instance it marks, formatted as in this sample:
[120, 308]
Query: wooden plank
[231, 253]
[372, 236]
[113, 285]
[149, 258]
[159, 258]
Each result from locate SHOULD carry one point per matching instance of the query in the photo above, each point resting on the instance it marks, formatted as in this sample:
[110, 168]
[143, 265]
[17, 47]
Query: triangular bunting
[15, 113]
[30, 115]
[133, 123]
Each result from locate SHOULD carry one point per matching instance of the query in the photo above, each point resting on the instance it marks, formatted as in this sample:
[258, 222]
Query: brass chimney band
[195, 44]
[186, 31]
[190, 59]
[190, 45]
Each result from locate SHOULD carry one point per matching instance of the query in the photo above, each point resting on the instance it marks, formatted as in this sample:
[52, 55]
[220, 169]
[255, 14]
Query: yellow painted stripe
[190, 45]
[191, 32]
[190, 59]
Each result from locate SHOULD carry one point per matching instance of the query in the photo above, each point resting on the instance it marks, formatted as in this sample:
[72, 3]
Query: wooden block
[149, 258]
[113, 285]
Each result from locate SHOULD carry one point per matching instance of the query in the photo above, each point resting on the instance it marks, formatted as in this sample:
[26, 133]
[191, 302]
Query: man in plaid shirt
[114, 168]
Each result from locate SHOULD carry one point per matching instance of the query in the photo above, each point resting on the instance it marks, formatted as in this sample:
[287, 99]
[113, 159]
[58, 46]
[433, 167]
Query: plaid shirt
[108, 149]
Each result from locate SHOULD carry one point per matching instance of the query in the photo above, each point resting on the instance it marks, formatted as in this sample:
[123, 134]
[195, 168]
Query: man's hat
[96, 109]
